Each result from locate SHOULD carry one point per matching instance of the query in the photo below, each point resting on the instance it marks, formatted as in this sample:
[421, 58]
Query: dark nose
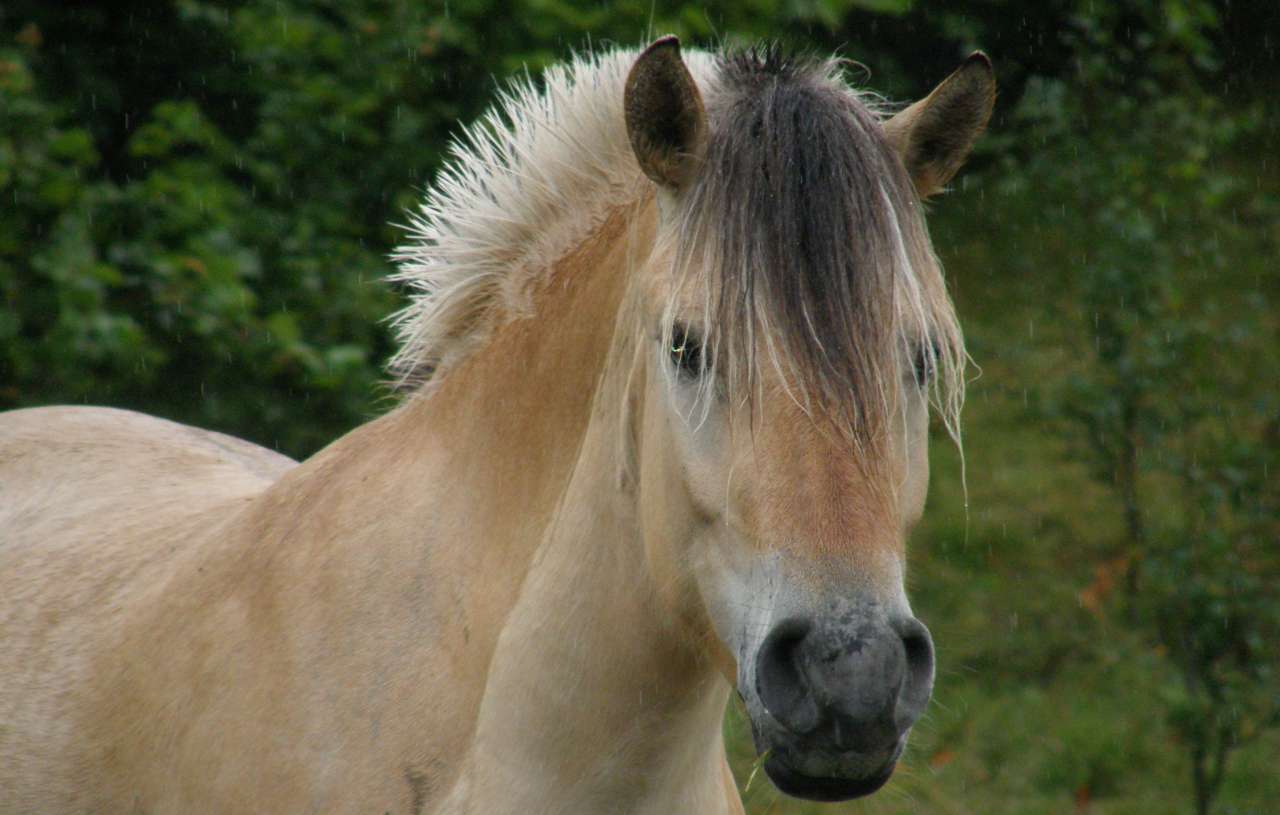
[850, 684]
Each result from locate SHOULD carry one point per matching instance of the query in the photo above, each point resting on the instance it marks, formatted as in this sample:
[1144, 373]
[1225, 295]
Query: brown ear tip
[669, 41]
[979, 59]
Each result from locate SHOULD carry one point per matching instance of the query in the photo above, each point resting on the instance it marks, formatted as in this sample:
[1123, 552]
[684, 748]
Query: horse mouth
[817, 788]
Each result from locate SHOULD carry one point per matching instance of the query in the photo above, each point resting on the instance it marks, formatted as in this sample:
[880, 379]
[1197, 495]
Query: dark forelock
[806, 205]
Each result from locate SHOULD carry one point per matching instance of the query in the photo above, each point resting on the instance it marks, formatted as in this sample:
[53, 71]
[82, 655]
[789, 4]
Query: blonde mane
[522, 186]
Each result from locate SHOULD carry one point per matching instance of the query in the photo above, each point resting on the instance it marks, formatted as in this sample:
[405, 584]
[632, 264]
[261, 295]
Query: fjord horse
[675, 332]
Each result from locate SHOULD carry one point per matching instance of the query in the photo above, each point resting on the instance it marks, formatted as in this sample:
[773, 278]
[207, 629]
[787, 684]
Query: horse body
[262, 636]
[90, 577]
[521, 590]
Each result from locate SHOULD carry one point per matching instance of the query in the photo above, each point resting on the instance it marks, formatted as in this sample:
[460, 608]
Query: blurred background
[197, 200]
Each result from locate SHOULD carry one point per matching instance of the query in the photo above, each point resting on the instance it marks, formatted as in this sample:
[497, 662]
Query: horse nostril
[850, 684]
[916, 690]
[780, 681]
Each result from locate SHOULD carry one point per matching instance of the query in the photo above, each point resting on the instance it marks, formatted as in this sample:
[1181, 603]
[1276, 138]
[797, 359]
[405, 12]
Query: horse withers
[675, 332]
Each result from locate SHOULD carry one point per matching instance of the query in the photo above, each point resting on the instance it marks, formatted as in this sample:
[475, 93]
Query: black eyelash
[685, 352]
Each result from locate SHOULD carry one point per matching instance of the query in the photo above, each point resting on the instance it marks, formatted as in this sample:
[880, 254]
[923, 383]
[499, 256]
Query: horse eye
[925, 363]
[685, 352]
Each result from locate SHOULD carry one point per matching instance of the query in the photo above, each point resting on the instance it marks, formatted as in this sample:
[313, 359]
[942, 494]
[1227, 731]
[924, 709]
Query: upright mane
[522, 187]
[803, 222]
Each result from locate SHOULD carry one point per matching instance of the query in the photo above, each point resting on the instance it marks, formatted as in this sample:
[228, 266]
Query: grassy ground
[1045, 702]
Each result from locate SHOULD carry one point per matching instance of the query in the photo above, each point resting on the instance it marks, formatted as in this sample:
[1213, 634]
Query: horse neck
[485, 519]
[591, 699]
[459, 482]
[596, 699]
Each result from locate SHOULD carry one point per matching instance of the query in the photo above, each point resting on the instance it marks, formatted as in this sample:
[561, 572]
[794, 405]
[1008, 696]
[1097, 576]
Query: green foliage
[188, 258]
[1180, 438]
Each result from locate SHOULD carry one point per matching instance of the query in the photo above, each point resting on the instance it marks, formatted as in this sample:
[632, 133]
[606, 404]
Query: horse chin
[818, 788]
[820, 775]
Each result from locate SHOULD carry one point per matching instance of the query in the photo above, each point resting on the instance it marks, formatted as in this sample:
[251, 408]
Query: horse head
[796, 329]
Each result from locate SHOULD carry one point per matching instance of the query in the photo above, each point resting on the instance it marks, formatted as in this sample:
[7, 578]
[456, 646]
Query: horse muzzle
[832, 699]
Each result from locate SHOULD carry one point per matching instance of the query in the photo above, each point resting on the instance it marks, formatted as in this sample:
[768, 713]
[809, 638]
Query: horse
[674, 332]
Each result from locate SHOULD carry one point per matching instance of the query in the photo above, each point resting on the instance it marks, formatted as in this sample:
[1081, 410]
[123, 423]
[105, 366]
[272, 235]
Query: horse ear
[934, 135]
[665, 118]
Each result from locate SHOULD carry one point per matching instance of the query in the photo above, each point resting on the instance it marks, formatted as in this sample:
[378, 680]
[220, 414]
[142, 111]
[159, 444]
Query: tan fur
[185, 634]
